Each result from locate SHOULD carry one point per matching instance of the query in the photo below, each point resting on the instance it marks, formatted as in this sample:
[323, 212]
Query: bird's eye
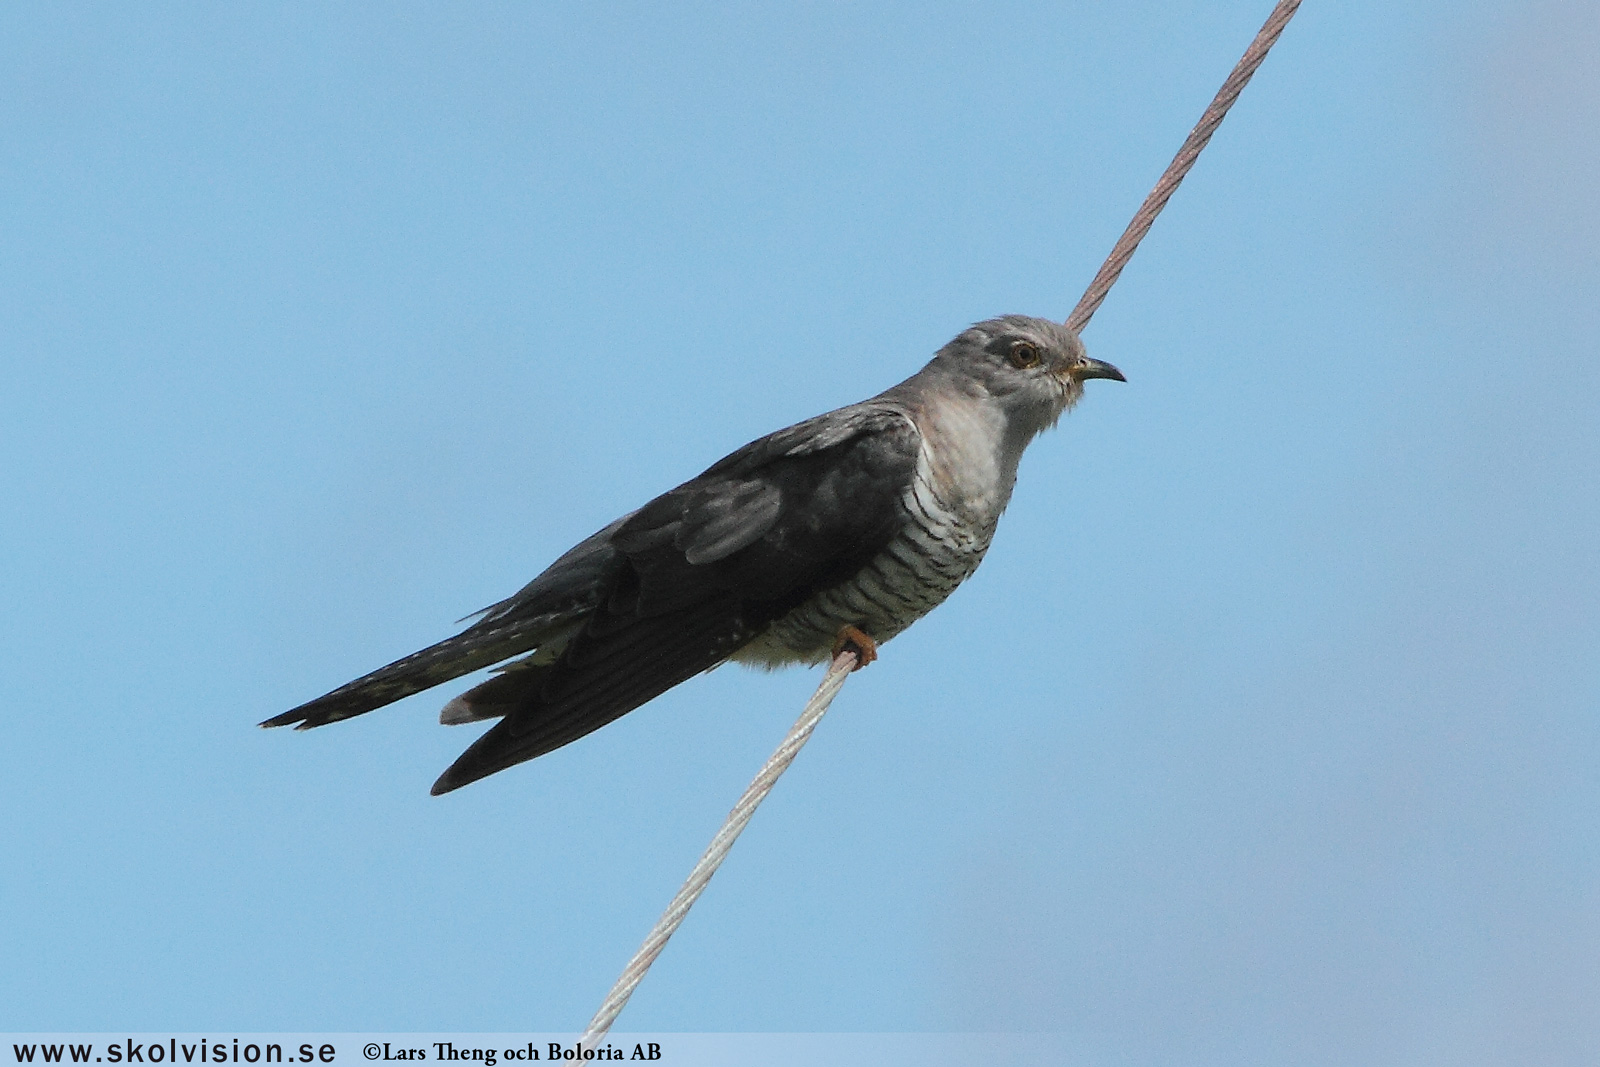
[1024, 354]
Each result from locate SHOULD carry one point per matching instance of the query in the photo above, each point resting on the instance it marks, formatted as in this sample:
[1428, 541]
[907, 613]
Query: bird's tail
[478, 646]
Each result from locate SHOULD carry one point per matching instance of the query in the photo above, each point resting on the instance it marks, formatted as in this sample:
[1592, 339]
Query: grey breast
[939, 544]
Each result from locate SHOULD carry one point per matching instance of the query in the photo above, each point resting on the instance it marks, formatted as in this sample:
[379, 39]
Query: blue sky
[1266, 733]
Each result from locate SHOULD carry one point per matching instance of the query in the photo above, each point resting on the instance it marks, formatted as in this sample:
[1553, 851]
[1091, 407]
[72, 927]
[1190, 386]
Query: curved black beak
[1094, 368]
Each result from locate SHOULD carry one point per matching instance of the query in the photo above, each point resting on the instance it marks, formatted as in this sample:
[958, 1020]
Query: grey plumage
[868, 516]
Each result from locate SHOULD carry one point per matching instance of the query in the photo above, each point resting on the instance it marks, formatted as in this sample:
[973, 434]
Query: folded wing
[700, 572]
[662, 594]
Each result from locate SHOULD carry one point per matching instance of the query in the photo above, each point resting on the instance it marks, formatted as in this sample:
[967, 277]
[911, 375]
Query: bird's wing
[701, 570]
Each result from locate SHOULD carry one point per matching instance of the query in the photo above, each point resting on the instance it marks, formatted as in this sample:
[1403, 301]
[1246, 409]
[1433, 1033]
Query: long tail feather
[451, 658]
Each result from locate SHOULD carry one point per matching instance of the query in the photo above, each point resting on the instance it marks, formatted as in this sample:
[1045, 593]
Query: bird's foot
[865, 648]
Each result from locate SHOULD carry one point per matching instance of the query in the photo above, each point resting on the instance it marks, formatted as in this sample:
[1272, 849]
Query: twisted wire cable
[1169, 181]
[845, 661]
[717, 851]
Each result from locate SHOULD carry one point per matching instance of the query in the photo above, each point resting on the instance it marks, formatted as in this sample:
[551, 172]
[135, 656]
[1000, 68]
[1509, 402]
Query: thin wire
[695, 884]
[845, 661]
[1169, 181]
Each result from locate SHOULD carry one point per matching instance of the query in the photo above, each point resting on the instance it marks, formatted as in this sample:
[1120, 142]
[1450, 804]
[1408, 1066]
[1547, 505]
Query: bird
[837, 532]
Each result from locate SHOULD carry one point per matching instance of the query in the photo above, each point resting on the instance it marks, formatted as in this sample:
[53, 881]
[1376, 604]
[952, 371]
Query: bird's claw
[864, 647]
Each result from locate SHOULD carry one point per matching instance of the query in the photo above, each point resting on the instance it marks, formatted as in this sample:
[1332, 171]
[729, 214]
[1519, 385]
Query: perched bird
[839, 531]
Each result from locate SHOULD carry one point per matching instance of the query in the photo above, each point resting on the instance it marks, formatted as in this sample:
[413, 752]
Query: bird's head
[1034, 368]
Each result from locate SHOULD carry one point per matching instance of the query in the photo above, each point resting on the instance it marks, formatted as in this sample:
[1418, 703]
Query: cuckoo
[840, 530]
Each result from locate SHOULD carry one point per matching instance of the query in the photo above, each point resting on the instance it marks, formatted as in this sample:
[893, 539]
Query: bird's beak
[1094, 368]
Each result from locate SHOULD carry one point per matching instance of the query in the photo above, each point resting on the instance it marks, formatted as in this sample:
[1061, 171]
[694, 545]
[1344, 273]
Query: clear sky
[1267, 733]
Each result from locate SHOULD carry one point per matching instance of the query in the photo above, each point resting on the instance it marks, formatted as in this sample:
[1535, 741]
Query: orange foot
[865, 648]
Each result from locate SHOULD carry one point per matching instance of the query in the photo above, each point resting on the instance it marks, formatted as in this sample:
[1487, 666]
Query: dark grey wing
[544, 609]
[700, 571]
